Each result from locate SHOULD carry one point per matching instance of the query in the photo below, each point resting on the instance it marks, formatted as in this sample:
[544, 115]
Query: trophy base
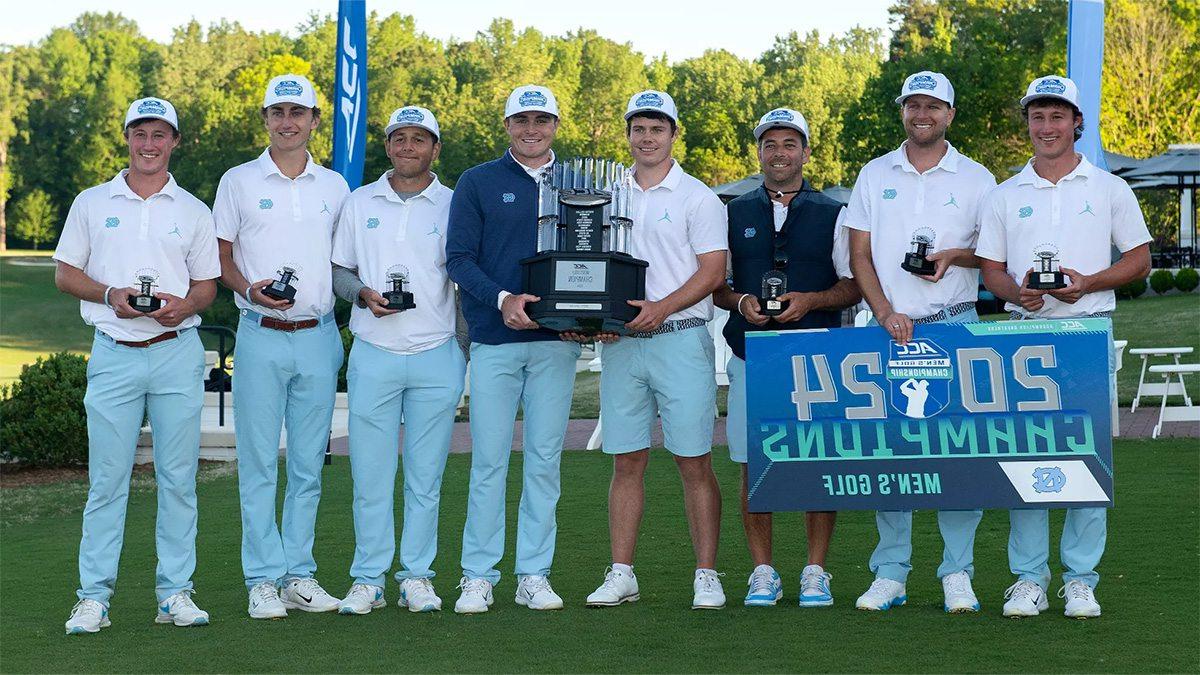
[1047, 281]
[399, 300]
[772, 307]
[917, 264]
[584, 293]
[288, 293]
[145, 303]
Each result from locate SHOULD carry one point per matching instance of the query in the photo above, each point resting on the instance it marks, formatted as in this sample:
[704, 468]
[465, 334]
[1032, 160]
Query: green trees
[35, 218]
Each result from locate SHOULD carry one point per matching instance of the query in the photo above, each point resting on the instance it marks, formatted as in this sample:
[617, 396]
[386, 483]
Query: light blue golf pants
[893, 555]
[423, 389]
[541, 377]
[282, 377]
[165, 380]
[1085, 532]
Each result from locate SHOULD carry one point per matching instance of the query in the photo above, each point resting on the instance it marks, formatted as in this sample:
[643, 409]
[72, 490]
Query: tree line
[63, 99]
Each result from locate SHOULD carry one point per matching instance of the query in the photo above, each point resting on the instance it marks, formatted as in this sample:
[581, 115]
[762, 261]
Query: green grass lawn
[1148, 591]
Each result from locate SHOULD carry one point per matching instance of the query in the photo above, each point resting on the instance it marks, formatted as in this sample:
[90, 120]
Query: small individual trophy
[1047, 276]
[915, 260]
[774, 284]
[145, 301]
[282, 288]
[398, 298]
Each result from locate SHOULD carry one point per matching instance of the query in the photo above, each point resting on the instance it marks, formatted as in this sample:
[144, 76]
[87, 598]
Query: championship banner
[1010, 414]
[350, 92]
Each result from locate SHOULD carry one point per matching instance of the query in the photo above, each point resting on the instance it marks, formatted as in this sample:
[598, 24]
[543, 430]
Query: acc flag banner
[350, 92]
[1010, 414]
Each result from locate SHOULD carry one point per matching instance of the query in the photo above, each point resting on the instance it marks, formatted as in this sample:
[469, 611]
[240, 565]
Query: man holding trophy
[666, 362]
[912, 219]
[275, 217]
[121, 241]
[405, 362]
[1059, 199]
[493, 226]
[790, 269]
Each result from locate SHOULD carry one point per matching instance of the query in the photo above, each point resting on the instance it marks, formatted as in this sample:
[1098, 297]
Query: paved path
[1138, 424]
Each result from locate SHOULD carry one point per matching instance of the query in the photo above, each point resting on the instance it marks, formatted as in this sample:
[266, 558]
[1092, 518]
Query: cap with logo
[152, 108]
[782, 118]
[1052, 86]
[412, 116]
[290, 89]
[531, 98]
[652, 101]
[928, 83]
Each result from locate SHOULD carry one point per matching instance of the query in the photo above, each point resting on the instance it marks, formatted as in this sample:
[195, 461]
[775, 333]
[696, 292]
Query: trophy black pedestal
[278, 290]
[772, 306]
[1047, 281]
[584, 292]
[145, 303]
[399, 300]
[916, 263]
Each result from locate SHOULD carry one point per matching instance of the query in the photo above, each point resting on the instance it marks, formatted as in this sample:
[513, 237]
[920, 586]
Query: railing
[1174, 257]
[219, 379]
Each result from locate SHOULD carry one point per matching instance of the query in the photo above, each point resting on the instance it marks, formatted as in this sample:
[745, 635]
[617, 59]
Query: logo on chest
[372, 223]
[508, 198]
[265, 204]
[889, 193]
[749, 232]
[1025, 212]
[112, 222]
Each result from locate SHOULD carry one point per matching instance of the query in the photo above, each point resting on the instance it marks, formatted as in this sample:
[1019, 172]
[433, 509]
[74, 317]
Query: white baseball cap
[782, 118]
[1052, 86]
[928, 83]
[152, 108]
[652, 101]
[531, 98]
[290, 89]
[412, 116]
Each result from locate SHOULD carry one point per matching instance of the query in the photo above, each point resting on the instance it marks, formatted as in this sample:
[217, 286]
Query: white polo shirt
[378, 230]
[111, 233]
[673, 222]
[273, 220]
[891, 200]
[1083, 216]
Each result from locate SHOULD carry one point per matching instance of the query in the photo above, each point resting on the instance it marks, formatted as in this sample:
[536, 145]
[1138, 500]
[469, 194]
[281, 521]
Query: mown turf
[1149, 591]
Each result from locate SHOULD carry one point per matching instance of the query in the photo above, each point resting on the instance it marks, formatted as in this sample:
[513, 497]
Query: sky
[679, 29]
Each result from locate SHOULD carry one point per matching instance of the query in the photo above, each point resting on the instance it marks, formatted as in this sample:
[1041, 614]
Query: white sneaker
[476, 596]
[181, 611]
[307, 595]
[418, 596]
[814, 587]
[766, 588]
[1081, 600]
[1025, 598]
[88, 616]
[361, 599]
[618, 587]
[959, 596]
[707, 590]
[534, 592]
[265, 602]
[883, 594]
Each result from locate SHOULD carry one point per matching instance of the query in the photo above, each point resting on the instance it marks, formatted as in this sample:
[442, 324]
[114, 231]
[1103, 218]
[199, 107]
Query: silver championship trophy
[145, 301]
[282, 288]
[583, 271]
[1047, 274]
[915, 260]
[398, 298]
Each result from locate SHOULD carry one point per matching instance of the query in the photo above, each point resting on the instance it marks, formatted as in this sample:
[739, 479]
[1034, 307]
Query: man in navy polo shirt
[784, 226]
[493, 226]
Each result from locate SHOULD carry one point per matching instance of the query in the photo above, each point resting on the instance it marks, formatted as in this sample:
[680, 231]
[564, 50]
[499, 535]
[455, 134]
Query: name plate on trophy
[588, 276]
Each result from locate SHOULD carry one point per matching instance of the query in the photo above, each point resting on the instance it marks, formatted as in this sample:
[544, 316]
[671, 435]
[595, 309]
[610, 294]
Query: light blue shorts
[672, 373]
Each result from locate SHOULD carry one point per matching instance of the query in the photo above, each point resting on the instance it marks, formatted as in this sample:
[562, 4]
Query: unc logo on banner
[780, 116]
[649, 99]
[410, 115]
[1049, 479]
[923, 82]
[1051, 86]
[531, 98]
[288, 88]
[919, 376]
[151, 107]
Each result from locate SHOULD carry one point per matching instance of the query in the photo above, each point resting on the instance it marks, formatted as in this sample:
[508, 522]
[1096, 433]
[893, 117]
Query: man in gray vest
[784, 226]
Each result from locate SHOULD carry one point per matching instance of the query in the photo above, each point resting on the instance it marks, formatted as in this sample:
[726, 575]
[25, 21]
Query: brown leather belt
[288, 326]
[162, 337]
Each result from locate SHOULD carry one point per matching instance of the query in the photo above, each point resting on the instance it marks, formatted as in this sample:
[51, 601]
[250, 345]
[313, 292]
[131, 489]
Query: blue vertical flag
[350, 92]
[1085, 60]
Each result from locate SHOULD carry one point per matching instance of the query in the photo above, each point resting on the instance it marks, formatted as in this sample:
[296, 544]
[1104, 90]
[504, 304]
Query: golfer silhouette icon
[917, 393]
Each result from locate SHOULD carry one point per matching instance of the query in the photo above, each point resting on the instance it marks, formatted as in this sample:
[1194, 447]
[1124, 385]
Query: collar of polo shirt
[119, 187]
[1029, 176]
[948, 162]
[383, 188]
[270, 167]
[669, 182]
